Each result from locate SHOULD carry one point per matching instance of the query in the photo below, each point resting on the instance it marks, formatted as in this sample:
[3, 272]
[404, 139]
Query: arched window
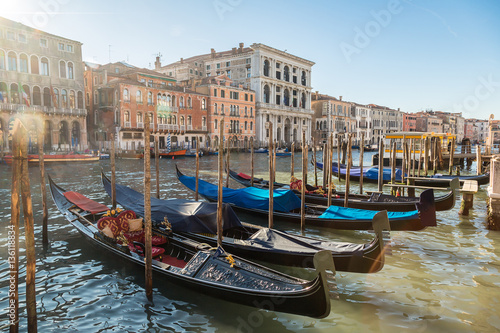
[12, 61]
[203, 121]
[62, 69]
[34, 65]
[266, 94]
[95, 117]
[303, 78]
[47, 97]
[174, 119]
[63, 132]
[181, 102]
[266, 67]
[45, 70]
[303, 101]
[189, 121]
[246, 111]
[14, 93]
[80, 100]
[64, 98]
[203, 104]
[71, 73]
[96, 99]
[251, 126]
[159, 100]
[2, 59]
[23, 63]
[189, 103]
[286, 74]
[75, 133]
[215, 124]
[37, 96]
[215, 108]
[246, 123]
[286, 98]
[72, 101]
[182, 121]
[138, 97]
[150, 98]
[222, 109]
[251, 111]
[126, 95]
[139, 118]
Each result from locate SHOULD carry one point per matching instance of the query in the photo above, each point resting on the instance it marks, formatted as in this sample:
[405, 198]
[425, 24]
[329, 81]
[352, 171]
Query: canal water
[442, 279]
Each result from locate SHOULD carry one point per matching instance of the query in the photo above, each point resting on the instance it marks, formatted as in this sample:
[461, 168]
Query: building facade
[385, 120]
[41, 76]
[232, 103]
[281, 81]
[121, 96]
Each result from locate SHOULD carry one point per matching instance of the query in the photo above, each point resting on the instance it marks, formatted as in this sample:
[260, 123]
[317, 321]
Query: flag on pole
[23, 94]
[168, 143]
[53, 95]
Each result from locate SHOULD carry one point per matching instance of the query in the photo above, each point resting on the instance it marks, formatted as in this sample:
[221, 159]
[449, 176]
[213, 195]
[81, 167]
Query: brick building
[233, 103]
[120, 96]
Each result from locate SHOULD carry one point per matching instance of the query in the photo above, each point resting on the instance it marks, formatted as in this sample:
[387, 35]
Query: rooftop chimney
[105, 79]
[234, 50]
[212, 51]
[317, 92]
[340, 98]
[157, 62]
[241, 47]
[182, 60]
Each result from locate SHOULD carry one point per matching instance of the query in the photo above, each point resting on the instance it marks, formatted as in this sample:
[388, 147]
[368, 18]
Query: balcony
[166, 109]
[189, 127]
[283, 107]
[127, 124]
[140, 125]
[204, 128]
[49, 110]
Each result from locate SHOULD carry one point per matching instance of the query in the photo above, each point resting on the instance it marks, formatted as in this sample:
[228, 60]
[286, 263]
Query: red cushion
[135, 236]
[244, 176]
[155, 251]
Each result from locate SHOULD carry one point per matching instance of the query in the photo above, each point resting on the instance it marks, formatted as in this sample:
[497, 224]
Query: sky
[409, 54]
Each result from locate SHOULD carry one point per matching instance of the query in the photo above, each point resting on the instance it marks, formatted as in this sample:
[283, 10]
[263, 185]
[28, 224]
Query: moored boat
[374, 201]
[264, 244]
[188, 263]
[287, 208]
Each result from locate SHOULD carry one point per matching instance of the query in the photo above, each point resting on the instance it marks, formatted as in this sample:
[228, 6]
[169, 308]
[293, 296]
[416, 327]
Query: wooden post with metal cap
[348, 170]
[112, 160]
[45, 214]
[157, 166]
[252, 161]
[303, 187]
[197, 169]
[147, 211]
[271, 175]
[292, 168]
[220, 182]
[361, 153]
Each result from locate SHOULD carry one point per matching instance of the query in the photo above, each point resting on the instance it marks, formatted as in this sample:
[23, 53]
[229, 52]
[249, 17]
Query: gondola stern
[323, 262]
[427, 208]
[382, 228]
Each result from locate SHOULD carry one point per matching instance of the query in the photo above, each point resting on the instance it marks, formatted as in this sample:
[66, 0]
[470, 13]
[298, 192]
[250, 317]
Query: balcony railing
[283, 107]
[43, 109]
[203, 128]
[168, 127]
[140, 125]
[166, 108]
[127, 124]
[189, 127]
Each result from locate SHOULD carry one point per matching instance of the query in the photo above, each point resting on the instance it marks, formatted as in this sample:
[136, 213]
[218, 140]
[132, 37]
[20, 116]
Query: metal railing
[43, 109]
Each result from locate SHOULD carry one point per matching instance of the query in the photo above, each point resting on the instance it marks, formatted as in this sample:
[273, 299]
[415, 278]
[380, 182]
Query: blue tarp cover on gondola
[368, 172]
[184, 215]
[337, 212]
[249, 197]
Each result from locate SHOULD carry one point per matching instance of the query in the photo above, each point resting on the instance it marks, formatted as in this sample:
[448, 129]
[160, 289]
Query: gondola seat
[138, 236]
[139, 249]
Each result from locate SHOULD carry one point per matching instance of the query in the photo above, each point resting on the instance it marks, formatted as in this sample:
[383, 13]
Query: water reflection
[440, 279]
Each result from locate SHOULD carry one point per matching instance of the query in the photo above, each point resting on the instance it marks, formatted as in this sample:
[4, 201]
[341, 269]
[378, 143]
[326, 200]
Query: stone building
[233, 103]
[332, 115]
[385, 120]
[120, 96]
[281, 81]
[409, 122]
[41, 77]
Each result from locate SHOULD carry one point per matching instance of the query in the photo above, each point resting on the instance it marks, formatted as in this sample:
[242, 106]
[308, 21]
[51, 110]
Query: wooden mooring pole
[303, 187]
[293, 160]
[393, 167]
[271, 175]
[339, 146]
[348, 170]
[479, 160]
[45, 214]
[157, 165]
[381, 151]
[198, 169]
[361, 153]
[147, 211]
[451, 156]
[112, 160]
[220, 182]
[252, 161]
[329, 166]
[13, 243]
[314, 160]
[227, 161]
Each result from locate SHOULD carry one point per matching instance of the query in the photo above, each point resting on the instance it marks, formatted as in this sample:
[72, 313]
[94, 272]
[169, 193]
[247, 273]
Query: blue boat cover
[249, 197]
[342, 213]
[184, 215]
[368, 172]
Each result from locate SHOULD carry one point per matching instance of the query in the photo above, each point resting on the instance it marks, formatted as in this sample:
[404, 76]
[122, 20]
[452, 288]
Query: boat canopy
[343, 213]
[184, 215]
[249, 197]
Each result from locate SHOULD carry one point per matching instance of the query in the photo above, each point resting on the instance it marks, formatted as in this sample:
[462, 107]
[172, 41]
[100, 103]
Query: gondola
[370, 174]
[274, 246]
[287, 208]
[375, 201]
[210, 271]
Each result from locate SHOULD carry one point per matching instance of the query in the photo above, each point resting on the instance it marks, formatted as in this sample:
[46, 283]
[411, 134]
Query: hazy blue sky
[414, 55]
